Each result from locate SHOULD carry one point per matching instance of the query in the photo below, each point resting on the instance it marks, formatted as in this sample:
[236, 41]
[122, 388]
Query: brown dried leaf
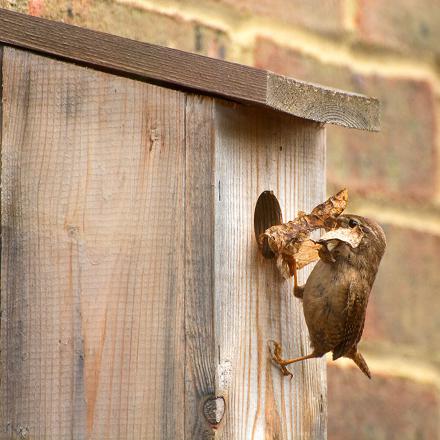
[330, 209]
[291, 240]
[308, 252]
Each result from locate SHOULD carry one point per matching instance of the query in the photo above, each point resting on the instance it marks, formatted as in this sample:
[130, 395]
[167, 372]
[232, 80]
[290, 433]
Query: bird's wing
[353, 318]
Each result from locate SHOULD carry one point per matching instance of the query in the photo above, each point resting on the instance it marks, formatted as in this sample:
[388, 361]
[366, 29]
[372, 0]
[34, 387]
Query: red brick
[399, 162]
[386, 407]
[325, 16]
[409, 26]
[405, 301]
[36, 7]
[139, 24]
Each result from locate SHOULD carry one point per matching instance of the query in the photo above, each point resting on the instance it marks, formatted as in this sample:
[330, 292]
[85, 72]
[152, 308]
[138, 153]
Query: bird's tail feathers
[360, 362]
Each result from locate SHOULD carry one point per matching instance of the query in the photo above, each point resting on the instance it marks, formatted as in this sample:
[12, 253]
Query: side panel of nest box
[258, 151]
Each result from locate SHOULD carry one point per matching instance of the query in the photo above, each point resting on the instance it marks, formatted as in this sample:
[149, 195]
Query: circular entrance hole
[267, 213]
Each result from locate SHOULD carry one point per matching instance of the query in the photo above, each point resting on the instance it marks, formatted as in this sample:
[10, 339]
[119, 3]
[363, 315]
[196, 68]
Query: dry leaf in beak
[291, 243]
[327, 212]
[307, 252]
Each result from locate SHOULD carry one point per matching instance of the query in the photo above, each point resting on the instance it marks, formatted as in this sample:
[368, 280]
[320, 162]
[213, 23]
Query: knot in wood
[214, 410]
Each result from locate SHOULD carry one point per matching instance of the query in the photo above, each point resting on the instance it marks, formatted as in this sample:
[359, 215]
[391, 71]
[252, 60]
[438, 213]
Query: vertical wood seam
[201, 409]
[1, 186]
[185, 279]
[212, 262]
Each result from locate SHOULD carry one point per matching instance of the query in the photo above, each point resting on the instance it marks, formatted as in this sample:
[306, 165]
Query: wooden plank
[256, 151]
[183, 70]
[199, 327]
[1, 143]
[312, 101]
[92, 287]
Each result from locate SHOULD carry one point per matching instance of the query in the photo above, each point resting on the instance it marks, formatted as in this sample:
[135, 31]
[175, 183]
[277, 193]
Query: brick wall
[387, 49]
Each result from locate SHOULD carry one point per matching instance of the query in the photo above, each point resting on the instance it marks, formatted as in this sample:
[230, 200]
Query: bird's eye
[352, 223]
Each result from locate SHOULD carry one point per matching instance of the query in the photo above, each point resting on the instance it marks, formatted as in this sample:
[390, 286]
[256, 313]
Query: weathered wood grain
[92, 288]
[235, 300]
[189, 71]
[255, 151]
[135, 303]
[314, 102]
[201, 356]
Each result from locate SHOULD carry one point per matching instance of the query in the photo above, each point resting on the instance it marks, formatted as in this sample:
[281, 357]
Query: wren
[335, 296]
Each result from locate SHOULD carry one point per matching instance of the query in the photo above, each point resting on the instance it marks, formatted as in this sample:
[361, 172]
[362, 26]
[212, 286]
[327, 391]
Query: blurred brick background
[386, 49]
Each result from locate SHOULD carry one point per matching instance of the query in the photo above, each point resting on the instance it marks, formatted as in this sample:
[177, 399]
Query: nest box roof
[188, 71]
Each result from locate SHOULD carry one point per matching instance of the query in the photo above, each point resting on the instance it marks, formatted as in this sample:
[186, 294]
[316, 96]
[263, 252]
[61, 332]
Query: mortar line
[437, 158]
[401, 367]
[351, 8]
[409, 218]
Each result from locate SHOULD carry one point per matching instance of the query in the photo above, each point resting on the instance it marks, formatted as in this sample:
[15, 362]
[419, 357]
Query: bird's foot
[275, 354]
[298, 291]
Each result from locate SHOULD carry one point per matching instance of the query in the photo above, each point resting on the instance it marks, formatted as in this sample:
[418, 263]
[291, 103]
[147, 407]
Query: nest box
[134, 301]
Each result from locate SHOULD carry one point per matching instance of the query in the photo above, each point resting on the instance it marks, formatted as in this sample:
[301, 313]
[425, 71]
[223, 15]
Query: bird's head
[372, 245]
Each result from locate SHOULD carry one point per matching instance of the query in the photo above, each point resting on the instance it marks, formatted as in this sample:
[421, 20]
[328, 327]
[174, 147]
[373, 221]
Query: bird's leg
[282, 363]
[297, 290]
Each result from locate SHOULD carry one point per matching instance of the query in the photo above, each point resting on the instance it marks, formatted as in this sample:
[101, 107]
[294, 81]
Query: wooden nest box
[134, 301]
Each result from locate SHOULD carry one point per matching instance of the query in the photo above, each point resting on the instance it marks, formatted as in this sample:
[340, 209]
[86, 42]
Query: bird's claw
[276, 357]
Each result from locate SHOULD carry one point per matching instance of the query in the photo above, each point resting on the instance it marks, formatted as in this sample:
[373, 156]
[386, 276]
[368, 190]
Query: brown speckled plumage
[335, 296]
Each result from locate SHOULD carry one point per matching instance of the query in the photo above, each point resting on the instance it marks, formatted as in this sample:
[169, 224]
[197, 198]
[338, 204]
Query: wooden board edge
[1, 144]
[1, 97]
[188, 71]
[322, 104]
[2, 321]
[180, 69]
